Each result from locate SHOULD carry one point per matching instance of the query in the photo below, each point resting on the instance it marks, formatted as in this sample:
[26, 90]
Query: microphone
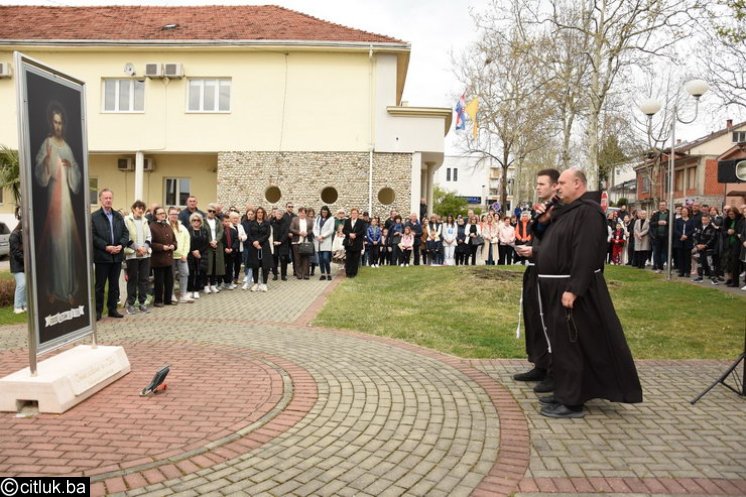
[548, 204]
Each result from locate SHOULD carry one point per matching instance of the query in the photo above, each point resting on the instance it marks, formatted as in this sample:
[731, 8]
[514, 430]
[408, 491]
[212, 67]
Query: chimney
[729, 124]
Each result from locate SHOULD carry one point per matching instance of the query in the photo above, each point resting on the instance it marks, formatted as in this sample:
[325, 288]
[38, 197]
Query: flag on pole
[471, 110]
[460, 116]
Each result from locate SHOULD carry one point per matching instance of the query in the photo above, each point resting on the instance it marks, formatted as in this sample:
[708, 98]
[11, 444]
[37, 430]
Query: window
[124, 95]
[93, 191]
[209, 95]
[455, 174]
[177, 191]
[691, 178]
[448, 174]
[739, 136]
[679, 181]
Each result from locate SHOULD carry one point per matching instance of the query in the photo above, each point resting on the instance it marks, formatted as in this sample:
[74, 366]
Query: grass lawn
[6, 311]
[472, 312]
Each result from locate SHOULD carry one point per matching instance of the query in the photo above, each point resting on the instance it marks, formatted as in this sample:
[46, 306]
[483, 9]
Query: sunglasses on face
[211, 210]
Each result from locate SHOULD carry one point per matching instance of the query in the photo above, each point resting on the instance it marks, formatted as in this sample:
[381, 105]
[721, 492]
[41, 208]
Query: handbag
[477, 240]
[305, 248]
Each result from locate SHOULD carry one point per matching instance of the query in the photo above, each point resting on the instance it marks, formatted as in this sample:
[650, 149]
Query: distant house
[239, 104]
[695, 171]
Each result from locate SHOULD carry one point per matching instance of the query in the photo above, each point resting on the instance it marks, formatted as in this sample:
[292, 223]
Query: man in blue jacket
[110, 237]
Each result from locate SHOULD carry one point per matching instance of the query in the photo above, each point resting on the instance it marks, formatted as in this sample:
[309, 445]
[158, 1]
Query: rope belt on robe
[541, 307]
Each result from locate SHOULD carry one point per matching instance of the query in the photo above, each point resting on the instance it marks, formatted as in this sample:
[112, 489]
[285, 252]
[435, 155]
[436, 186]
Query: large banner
[56, 217]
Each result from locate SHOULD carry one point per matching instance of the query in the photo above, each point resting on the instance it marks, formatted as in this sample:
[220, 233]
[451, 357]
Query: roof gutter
[363, 46]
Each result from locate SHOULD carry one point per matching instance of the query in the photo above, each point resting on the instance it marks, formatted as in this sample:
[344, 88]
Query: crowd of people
[214, 250]
[706, 242]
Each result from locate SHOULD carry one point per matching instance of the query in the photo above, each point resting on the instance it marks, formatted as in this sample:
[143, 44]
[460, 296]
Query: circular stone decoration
[273, 194]
[386, 196]
[329, 195]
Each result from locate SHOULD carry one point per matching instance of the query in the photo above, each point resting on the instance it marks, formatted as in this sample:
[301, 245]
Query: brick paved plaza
[260, 403]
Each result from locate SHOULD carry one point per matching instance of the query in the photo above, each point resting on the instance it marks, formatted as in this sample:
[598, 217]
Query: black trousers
[163, 284]
[138, 271]
[352, 261]
[230, 262]
[416, 251]
[107, 271]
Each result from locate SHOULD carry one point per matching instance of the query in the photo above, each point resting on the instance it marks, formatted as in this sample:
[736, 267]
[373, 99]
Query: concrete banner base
[64, 380]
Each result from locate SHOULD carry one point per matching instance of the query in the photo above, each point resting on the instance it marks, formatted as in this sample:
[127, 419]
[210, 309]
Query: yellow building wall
[199, 168]
[297, 101]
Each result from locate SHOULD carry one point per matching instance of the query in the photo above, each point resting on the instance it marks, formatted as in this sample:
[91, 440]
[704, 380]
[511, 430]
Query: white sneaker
[186, 300]
[401, 265]
[215, 289]
[232, 286]
[195, 295]
[245, 286]
[743, 288]
[254, 287]
[262, 288]
[18, 310]
[207, 289]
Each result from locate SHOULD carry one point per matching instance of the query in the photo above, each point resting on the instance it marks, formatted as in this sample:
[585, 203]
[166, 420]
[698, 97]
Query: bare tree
[619, 34]
[501, 71]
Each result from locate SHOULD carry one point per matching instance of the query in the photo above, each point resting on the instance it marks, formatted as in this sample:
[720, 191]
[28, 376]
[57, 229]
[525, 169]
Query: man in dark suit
[110, 237]
[354, 231]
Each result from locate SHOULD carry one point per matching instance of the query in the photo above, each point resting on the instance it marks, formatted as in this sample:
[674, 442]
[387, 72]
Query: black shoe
[158, 304]
[323, 277]
[115, 314]
[305, 277]
[562, 411]
[698, 279]
[548, 399]
[546, 386]
[98, 316]
[536, 374]
[284, 278]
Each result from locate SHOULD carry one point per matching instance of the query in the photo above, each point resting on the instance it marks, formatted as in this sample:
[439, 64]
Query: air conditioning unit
[173, 70]
[126, 164]
[153, 70]
[5, 69]
[149, 164]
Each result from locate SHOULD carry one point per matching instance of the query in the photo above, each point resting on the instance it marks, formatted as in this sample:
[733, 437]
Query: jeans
[20, 297]
[182, 267]
[325, 261]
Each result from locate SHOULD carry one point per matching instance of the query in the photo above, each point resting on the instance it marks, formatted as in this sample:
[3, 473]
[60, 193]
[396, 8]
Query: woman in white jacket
[323, 233]
[449, 231]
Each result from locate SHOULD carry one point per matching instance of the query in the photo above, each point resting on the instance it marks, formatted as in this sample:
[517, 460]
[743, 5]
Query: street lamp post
[696, 88]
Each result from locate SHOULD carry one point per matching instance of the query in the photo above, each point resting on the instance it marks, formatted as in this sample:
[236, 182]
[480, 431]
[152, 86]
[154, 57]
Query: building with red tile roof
[243, 104]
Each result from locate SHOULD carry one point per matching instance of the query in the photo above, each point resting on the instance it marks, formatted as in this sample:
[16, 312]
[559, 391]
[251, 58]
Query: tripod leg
[723, 377]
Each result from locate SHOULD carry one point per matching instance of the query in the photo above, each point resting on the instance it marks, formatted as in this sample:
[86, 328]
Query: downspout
[370, 142]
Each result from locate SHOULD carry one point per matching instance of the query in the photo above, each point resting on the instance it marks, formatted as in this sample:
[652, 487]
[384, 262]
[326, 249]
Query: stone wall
[245, 177]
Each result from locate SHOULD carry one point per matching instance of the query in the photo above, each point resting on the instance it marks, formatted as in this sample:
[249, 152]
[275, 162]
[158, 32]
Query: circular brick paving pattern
[213, 393]
[387, 420]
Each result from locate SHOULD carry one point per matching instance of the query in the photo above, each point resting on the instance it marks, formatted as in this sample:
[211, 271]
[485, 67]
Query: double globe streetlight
[696, 88]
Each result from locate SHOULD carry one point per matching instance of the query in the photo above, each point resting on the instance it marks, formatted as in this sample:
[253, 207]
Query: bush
[7, 292]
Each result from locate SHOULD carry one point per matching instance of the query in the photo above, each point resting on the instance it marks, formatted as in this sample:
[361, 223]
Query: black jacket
[16, 250]
[707, 236]
[359, 230]
[101, 230]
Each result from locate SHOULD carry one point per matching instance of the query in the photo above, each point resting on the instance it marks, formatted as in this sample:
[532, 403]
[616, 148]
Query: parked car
[4, 240]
